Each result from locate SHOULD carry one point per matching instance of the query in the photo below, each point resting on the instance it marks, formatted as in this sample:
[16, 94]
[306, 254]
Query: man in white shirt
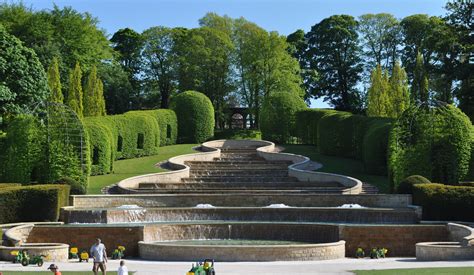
[99, 255]
[122, 270]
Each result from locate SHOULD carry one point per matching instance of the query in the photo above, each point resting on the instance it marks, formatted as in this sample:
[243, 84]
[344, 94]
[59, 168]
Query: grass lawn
[133, 167]
[420, 271]
[343, 166]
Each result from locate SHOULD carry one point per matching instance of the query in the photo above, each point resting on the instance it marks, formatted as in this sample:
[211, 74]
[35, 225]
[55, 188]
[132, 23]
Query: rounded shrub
[195, 115]
[278, 116]
[76, 187]
[307, 124]
[406, 185]
[375, 146]
[101, 145]
[434, 142]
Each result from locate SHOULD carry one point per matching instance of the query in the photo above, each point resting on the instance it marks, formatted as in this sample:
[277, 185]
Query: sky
[284, 16]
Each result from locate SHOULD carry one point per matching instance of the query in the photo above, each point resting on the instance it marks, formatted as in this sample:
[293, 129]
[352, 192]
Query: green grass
[343, 166]
[420, 271]
[133, 167]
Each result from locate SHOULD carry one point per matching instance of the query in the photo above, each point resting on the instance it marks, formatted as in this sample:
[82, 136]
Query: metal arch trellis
[64, 125]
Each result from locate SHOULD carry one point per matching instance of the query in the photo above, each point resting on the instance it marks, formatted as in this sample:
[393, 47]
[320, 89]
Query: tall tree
[381, 37]
[74, 96]
[378, 103]
[398, 91]
[93, 99]
[334, 51]
[419, 87]
[460, 18]
[54, 82]
[129, 44]
[117, 88]
[160, 61]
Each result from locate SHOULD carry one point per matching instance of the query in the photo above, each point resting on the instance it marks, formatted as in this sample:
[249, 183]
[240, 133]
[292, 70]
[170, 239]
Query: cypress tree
[100, 98]
[398, 91]
[74, 97]
[419, 88]
[378, 99]
[54, 82]
[90, 91]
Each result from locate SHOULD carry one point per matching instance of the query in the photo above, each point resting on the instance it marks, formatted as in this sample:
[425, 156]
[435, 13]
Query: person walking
[99, 254]
[122, 270]
[54, 268]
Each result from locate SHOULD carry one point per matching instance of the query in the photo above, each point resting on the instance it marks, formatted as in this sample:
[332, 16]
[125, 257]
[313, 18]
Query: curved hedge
[133, 134]
[375, 145]
[195, 115]
[277, 117]
[307, 124]
[32, 203]
[406, 185]
[432, 142]
[445, 202]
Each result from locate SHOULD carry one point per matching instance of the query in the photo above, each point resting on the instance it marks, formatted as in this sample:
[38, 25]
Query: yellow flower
[74, 250]
[121, 248]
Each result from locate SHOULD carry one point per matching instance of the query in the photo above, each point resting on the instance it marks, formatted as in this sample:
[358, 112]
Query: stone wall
[83, 237]
[310, 252]
[443, 251]
[400, 240]
[236, 200]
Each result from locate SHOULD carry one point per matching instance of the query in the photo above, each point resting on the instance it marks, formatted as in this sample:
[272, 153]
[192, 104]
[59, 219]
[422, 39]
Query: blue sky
[284, 16]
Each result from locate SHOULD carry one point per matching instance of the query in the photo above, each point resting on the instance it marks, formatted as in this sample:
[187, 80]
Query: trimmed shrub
[24, 158]
[76, 187]
[168, 124]
[195, 115]
[278, 116]
[470, 173]
[432, 142]
[445, 202]
[6, 185]
[307, 124]
[342, 134]
[375, 145]
[406, 185]
[101, 144]
[238, 134]
[32, 203]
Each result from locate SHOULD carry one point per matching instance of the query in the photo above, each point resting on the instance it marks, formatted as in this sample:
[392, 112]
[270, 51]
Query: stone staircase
[240, 171]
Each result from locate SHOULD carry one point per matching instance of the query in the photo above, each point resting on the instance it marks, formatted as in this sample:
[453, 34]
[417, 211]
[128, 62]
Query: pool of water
[232, 242]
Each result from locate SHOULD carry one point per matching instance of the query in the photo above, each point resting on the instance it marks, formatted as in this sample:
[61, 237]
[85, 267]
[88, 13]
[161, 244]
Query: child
[54, 268]
[122, 270]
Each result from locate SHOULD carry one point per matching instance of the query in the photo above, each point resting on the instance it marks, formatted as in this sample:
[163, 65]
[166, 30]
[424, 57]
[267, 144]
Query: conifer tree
[74, 97]
[398, 91]
[94, 103]
[419, 87]
[54, 82]
[378, 99]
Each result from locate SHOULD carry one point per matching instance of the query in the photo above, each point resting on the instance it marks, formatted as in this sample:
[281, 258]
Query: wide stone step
[238, 161]
[322, 190]
[243, 185]
[238, 167]
[241, 178]
[237, 173]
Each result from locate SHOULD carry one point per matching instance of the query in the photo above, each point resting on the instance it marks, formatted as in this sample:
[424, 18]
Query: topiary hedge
[32, 203]
[168, 124]
[445, 202]
[195, 115]
[277, 117]
[342, 134]
[375, 145]
[307, 124]
[434, 142]
[406, 185]
[102, 148]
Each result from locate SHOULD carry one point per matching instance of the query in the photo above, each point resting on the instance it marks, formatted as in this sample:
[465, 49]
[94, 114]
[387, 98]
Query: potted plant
[360, 253]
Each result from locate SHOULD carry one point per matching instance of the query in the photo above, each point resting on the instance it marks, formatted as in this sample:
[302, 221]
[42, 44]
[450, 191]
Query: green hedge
[375, 145]
[342, 134]
[32, 203]
[431, 142]
[470, 173]
[238, 134]
[195, 115]
[307, 124]
[168, 124]
[277, 117]
[445, 202]
[130, 135]
[102, 145]
[406, 185]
